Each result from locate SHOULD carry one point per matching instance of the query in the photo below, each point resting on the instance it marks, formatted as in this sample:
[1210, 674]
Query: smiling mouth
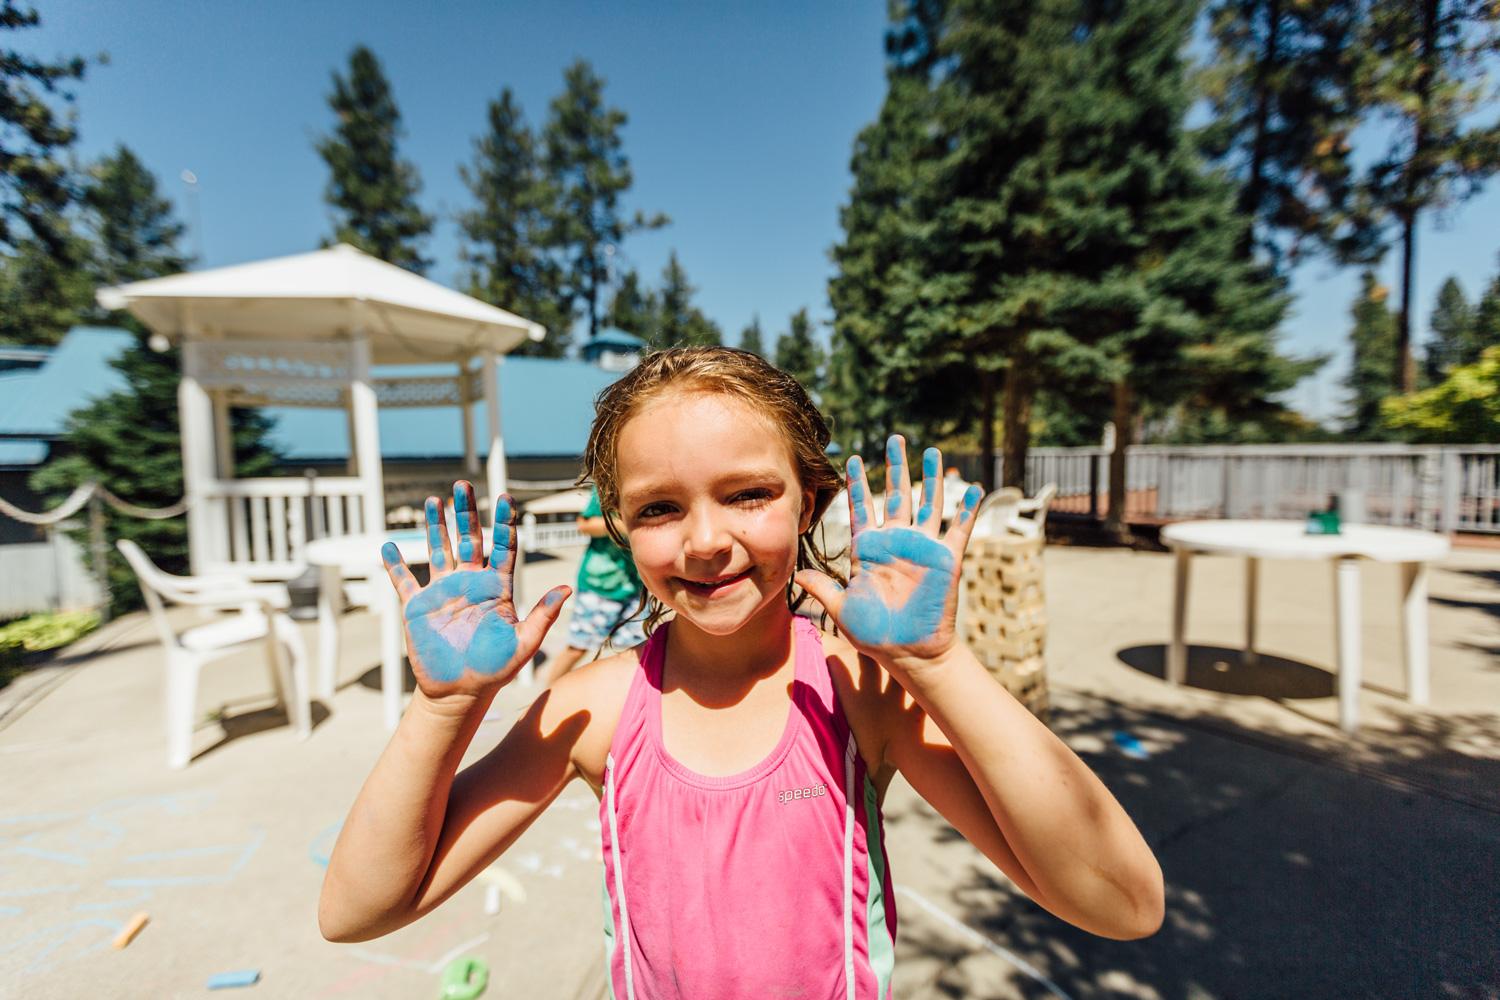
[707, 587]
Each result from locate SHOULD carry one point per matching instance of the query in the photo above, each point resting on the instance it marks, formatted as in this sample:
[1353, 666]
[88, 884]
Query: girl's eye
[753, 498]
[653, 510]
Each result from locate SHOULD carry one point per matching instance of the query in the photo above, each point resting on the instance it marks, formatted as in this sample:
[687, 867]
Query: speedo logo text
[793, 794]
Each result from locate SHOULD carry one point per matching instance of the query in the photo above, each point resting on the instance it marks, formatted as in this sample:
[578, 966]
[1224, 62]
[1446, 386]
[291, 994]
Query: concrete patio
[1299, 861]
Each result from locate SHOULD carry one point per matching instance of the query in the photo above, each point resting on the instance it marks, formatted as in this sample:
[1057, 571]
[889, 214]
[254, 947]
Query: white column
[223, 435]
[466, 409]
[206, 540]
[1414, 630]
[366, 443]
[494, 466]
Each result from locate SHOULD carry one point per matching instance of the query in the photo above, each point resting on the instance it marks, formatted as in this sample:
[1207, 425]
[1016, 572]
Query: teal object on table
[1323, 522]
[465, 978]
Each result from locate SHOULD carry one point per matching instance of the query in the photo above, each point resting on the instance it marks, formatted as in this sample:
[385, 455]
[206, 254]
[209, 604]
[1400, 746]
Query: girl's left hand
[902, 596]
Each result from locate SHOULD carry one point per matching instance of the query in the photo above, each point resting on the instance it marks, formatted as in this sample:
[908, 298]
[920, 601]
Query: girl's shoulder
[594, 695]
[870, 697]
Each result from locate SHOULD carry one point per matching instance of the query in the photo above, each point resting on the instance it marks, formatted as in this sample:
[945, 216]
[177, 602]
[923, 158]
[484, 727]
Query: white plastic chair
[258, 618]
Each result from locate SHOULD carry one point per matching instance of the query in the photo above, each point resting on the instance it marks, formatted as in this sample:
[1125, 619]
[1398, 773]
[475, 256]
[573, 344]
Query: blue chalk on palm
[1130, 746]
[229, 980]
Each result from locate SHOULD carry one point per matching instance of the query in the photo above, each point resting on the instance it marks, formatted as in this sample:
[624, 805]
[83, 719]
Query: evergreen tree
[43, 288]
[1281, 95]
[504, 236]
[373, 192]
[799, 355]
[44, 294]
[1452, 341]
[585, 161]
[750, 338]
[1373, 343]
[634, 309]
[680, 323]
[875, 292]
[35, 189]
[1425, 72]
[1485, 328]
[129, 440]
[134, 233]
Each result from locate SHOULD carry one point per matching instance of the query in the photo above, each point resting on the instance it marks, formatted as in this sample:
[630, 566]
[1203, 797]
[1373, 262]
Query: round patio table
[357, 557]
[1256, 540]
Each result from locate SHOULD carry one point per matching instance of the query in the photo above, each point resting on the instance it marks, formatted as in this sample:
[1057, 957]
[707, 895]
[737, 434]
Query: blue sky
[741, 124]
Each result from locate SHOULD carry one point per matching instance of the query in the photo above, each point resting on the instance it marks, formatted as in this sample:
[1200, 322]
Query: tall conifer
[585, 160]
[372, 191]
[799, 355]
[504, 235]
[1372, 340]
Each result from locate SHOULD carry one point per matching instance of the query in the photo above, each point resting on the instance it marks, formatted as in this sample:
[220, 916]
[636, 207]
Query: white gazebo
[307, 330]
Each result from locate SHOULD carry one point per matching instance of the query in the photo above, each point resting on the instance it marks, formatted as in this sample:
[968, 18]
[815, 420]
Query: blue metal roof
[546, 407]
[36, 403]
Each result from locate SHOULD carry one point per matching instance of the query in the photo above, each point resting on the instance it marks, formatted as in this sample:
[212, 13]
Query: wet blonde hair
[740, 375]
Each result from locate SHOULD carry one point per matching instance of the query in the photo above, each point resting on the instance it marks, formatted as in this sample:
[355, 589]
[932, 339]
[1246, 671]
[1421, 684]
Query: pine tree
[373, 192]
[634, 309]
[875, 292]
[680, 323]
[750, 338]
[1425, 71]
[128, 440]
[585, 161]
[799, 355]
[1485, 329]
[43, 288]
[1373, 343]
[35, 189]
[134, 233]
[1452, 340]
[1282, 100]
[504, 236]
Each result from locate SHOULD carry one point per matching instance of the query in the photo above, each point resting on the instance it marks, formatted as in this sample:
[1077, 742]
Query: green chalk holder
[465, 978]
[1323, 522]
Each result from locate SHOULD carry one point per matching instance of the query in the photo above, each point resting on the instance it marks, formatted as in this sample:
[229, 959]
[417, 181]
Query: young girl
[741, 754]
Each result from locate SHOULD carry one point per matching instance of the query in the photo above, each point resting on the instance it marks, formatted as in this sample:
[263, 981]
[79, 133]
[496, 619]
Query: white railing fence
[263, 525]
[1447, 489]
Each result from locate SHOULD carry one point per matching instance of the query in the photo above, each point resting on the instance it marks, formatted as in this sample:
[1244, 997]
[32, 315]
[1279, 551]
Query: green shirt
[607, 569]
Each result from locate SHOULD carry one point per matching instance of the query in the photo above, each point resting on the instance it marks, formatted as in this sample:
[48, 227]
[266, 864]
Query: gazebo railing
[265, 524]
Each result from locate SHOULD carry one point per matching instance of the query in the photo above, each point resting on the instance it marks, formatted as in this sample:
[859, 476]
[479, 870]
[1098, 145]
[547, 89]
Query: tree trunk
[1405, 366]
[1114, 521]
[1020, 387]
[987, 430]
[1406, 369]
[1254, 191]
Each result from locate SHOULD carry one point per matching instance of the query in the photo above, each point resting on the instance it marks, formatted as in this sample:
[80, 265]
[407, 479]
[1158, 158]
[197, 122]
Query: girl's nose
[706, 535]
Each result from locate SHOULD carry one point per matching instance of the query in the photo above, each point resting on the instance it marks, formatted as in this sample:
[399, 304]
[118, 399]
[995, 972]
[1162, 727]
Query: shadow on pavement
[1293, 870]
[1221, 669]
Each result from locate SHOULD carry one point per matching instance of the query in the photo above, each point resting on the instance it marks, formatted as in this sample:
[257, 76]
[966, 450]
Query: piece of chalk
[1130, 746]
[130, 930]
[491, 900]
[229, 980]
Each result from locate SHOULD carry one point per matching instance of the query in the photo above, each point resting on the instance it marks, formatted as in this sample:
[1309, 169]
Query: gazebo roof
[324, 295]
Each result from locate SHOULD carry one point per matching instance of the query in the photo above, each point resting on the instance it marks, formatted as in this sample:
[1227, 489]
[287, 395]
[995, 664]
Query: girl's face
[712, 505]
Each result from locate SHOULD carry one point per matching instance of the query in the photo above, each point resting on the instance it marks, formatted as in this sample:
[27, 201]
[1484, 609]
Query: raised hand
[462, 632]
[902, 596]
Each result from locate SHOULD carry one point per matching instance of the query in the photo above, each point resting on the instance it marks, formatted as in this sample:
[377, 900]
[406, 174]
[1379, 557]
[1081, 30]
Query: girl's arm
[465, 642]
[417, 834]
[994, 771]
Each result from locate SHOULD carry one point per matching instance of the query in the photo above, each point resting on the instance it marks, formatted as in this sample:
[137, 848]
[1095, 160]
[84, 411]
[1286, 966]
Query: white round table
[1256, 540]
[357, 557]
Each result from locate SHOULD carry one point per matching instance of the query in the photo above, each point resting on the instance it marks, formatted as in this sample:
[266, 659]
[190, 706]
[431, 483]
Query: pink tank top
[768, 883]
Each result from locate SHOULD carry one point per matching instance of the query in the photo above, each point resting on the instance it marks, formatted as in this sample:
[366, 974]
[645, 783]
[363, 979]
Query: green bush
[40, 632]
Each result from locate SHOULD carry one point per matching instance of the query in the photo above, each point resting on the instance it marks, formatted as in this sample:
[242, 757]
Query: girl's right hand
[462, 634]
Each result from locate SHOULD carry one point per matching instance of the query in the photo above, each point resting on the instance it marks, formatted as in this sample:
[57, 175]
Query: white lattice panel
[429, 390]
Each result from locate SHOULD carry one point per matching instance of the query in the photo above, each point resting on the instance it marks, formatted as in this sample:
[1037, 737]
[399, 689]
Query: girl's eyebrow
[656, 487]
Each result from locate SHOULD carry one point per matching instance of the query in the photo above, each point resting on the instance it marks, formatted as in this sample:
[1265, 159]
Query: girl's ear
[804, 520]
